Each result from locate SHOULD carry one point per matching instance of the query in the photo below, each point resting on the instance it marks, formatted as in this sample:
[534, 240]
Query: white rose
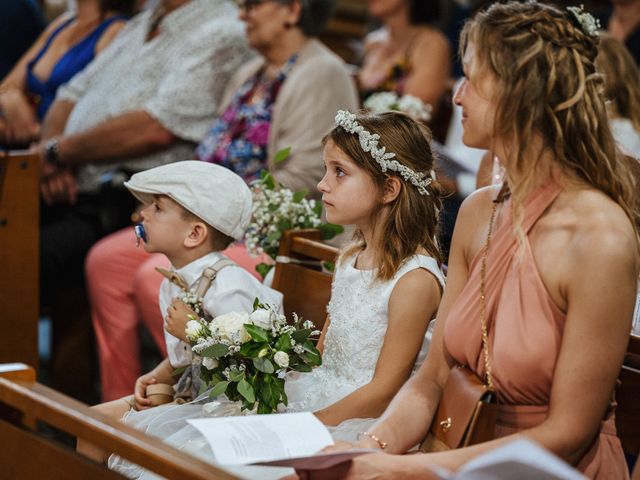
[210, 363]
[261, 318]
[230, 325]
[193, 329]
[282, 359]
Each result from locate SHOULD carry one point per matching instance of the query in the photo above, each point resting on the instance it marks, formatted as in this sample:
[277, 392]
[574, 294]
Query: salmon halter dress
[525, 333]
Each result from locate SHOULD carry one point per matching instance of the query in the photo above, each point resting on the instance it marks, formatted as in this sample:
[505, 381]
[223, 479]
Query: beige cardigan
[318, 85]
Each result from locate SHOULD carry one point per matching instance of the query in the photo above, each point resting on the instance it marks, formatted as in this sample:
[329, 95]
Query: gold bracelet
[380, 443]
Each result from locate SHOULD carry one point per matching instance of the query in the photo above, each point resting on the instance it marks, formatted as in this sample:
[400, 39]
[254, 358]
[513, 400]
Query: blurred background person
[65, 48]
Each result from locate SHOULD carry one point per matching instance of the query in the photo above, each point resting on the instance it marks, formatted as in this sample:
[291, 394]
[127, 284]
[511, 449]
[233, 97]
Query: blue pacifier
[140, 233]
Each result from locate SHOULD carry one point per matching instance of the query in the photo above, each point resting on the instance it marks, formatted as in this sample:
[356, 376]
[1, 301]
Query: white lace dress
[359, 312]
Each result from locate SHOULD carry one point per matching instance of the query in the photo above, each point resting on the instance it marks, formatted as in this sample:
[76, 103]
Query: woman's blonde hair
[412, 221]
[621, 78]
[548, 87]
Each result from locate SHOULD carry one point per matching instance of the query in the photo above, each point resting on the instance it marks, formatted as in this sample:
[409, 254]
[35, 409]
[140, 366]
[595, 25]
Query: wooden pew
[300, 277]
[628, 398]
[29, 452]
[19, 255]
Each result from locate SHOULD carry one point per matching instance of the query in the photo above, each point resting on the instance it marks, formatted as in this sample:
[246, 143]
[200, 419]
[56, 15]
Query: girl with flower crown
[386, 289]
[543, 269]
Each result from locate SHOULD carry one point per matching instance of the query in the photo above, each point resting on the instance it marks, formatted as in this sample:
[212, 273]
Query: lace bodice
[358, 310]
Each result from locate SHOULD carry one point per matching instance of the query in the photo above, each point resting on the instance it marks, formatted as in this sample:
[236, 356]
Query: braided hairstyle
[544, 59]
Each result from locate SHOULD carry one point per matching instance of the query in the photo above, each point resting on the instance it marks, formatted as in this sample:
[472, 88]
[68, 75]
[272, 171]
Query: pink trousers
[123, 288]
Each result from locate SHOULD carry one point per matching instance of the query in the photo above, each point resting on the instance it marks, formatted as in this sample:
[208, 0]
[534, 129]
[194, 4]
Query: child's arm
[176, 320]
[413, 302]
[160, 374]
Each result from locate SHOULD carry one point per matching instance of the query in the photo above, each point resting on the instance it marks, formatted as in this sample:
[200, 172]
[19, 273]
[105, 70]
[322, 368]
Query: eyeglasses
[249, 4]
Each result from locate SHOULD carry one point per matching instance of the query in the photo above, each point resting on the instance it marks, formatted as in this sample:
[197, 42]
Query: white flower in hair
[369, 143]
[588, 23]
[386, 101]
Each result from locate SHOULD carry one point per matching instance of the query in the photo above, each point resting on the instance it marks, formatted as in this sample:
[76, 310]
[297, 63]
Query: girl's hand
[140, 391]
[177, 317]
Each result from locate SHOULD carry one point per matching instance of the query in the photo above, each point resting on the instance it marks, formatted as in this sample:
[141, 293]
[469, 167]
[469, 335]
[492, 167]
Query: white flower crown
[369, 143]
[588, 23]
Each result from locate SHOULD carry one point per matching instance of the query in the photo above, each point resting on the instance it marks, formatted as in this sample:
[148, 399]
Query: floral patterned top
[239, 137]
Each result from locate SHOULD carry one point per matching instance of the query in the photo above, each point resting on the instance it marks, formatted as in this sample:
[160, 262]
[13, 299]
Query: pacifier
[140, 233]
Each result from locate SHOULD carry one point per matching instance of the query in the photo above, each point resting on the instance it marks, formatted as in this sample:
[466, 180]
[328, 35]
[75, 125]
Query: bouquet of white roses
[386, 101]
[276, 209]
[245, 356]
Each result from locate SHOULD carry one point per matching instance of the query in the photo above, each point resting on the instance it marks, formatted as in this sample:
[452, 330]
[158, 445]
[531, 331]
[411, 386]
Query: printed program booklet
[293, 440]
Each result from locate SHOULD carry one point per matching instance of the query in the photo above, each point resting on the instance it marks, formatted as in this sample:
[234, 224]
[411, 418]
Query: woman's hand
[377, 466]
[177, 317]
[21, 124]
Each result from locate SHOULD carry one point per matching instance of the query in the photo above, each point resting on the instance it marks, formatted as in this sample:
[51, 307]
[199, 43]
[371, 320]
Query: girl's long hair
[549, 88]
[411, 222]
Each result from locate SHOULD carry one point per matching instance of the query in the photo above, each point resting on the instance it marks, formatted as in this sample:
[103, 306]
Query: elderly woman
[287, 97]
[67, 46]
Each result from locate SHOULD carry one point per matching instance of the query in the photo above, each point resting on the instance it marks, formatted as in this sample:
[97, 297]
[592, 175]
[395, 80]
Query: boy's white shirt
[233, 290]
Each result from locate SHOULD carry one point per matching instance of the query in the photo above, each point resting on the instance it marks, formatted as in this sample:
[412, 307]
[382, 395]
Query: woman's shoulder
[591, 219]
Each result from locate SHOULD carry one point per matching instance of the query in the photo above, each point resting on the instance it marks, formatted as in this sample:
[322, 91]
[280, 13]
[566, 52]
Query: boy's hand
[177, 318]
[140, 391]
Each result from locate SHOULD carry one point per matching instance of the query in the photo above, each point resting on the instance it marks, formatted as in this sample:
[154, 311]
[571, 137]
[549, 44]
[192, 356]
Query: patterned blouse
[178, 78]
[239, 137]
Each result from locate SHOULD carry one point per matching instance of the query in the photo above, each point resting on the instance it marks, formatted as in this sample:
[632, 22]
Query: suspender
[209, 274]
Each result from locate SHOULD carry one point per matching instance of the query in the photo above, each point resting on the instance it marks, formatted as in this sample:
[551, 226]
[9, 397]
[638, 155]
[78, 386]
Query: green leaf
[301, 335]
[246, 390]
[329, 230]
[281, 155]
[264, 409]
[284, 343]
[256, 303]
[264, 365]
[263, 268]
[236, 375]
[301, 367]
[216, 351]
[269, 182]
[274, 236]
[329, 266]
[284, 224]
[203, 388]
[252, 348]
[300, 195]
[259, 334]
[179, 371]
[317, 209]
[218, 389]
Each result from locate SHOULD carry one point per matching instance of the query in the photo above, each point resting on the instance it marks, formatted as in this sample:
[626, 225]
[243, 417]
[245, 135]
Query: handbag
[468, 407]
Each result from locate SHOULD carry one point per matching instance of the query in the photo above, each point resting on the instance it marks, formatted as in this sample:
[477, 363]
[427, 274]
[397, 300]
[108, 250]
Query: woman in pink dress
[561, 266]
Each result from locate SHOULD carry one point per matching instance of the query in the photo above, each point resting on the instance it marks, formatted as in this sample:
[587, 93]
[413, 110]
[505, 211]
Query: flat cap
[213, 193]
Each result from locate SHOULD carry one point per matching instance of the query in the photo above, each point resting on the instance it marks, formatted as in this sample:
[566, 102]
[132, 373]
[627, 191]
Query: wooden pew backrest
[299, 276]
[26, 454]
[628, 399]
[19, 256]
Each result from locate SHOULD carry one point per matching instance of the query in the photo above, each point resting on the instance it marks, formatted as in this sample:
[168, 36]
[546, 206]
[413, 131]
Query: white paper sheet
[258, 438]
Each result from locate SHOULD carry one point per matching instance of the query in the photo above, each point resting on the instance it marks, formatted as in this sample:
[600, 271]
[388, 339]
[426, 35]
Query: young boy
[193, 210]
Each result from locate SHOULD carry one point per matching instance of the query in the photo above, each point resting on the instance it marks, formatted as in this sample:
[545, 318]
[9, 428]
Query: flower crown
[369, 143]
[588, 23]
